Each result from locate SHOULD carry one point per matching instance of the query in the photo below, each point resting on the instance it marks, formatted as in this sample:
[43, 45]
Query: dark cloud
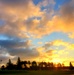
[67, 11]
[3, 59]
[13, 43]
[14, 2]
[24, 53]
[4, 56]
[47, 45]
[17, 48]
[50, 52]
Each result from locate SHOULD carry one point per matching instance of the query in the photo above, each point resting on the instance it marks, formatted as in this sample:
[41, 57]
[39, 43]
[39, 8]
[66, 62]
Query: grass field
[37, 72]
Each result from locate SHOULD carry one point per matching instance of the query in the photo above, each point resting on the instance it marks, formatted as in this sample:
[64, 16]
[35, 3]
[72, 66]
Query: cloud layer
[24, 20]
[18, 23]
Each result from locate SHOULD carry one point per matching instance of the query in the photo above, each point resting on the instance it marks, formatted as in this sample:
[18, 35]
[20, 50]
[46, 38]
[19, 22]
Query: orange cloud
[12, 8]
[14, 13]
[59, 23]
[17, 17]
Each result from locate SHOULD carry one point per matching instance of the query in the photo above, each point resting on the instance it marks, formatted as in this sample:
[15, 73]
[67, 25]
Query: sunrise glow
[37, 30]
[56, 61]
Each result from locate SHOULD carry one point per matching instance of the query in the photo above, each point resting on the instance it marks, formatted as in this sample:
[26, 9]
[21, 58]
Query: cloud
[64, 50]
[71, 35]
[67, 12]
[47, 45]
[45, 53]
[46, 3]
[17, 20]
[14, 43]
[67, 15]
[15, 16]
[60, 22]
[4, 56]
[14, 6]
[50, 52]
[23, 19]
[11, 48]
[13, 13]
[60, 43]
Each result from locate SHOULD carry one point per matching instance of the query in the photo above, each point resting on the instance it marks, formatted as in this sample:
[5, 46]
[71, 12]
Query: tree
[34, 65]
[2, 67]
[24, 64]
[29, 63]
[19, 66]
[9, 65]
[71, 66]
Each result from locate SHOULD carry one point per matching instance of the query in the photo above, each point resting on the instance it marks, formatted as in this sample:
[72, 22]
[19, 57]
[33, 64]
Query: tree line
[28, 65]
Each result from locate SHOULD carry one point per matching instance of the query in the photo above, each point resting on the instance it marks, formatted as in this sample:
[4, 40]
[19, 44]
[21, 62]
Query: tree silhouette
[19, 66]
[71, 66]
[24, 64]
[29, 63]
[34, 65]
[2, 67]
[42, 65]
[9, 65]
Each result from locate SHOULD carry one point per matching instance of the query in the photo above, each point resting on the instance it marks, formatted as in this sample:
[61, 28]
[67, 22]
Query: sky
[40, 30]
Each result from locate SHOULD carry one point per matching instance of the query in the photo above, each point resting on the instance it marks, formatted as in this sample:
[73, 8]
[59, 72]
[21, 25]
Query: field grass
[57, 72]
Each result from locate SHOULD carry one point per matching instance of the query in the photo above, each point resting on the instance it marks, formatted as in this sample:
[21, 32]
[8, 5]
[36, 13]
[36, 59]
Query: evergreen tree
[71, 66]
[9, 65]
[19, 66]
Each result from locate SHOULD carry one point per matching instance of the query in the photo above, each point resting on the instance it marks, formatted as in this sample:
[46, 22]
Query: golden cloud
[16, 17]
[60, 43]
[71, 35]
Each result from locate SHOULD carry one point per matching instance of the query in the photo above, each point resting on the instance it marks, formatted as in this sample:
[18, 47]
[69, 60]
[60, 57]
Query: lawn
[57, 72]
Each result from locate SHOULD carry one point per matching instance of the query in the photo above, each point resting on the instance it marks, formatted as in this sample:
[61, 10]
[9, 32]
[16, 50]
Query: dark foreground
[57, 72]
